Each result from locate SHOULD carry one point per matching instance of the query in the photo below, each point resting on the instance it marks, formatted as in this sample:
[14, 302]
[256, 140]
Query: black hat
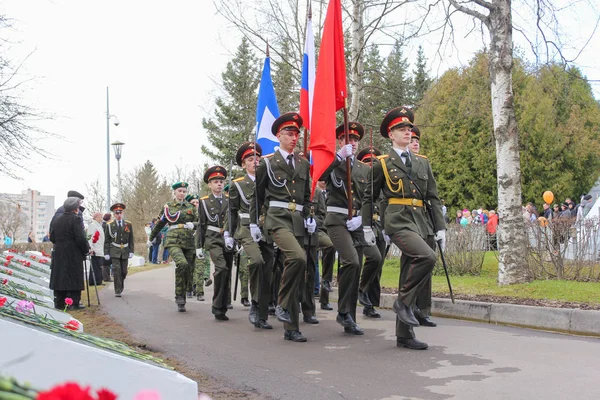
[215, 172]
[587, 197]
[367, 153]
[246, 150]
[397, 117]
[71, 203]
[416, 133]
[354, 129]
[288, 121]
[74, 193]
[565, 204]
[117, 207]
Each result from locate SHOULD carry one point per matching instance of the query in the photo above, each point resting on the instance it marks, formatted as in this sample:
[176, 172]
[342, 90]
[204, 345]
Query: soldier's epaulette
[268, 155]
[204, 198]
[128, 222]
[383, 156]
[239, 179]
[421, 155]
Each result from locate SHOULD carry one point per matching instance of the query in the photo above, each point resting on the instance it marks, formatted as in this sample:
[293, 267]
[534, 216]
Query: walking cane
[93, 278]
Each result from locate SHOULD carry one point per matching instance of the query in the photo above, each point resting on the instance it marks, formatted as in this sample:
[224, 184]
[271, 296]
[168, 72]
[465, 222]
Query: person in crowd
[555, 211]
[587, 206]
[491, 227]
[547, 213]
[70, 249]
[60, 211]
[459, 216]
[119, 246]
[8, 241]
[46, 238]
[165, 252]
[95, 234]
[106, 264]
[31, 237]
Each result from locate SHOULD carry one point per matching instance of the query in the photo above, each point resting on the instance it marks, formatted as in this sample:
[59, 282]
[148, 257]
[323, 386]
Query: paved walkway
[465, 360]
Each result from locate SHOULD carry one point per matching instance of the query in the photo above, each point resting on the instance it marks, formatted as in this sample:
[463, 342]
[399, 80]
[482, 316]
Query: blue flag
[266, 111]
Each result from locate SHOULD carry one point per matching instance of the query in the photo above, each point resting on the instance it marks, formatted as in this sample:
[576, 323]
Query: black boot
[180, 301]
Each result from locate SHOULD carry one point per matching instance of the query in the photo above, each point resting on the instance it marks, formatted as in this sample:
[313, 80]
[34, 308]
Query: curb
[566, 320]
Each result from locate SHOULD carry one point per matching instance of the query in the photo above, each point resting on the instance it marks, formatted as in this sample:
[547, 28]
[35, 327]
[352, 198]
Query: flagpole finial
[309, 9]
[268, 48]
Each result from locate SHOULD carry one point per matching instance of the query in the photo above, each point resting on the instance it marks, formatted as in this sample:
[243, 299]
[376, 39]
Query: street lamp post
[118, 146]
[116, 122]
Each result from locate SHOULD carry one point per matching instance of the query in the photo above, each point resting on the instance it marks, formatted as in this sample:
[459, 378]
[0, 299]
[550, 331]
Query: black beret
[354, 129]
[397, 117]
[246, 150]
[587, 197]
[74, 193]
[287, 121]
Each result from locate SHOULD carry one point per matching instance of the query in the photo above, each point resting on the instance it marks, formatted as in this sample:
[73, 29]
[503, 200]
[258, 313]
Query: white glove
[149, 244]
[200, 254]
[440, 235]
[311, 225]
[229, 242]
[369, 236]
[345, 151]
[130, 255]
[188, 225]
[354, 223]
[387, 239]
[255, 233]
[107, 257]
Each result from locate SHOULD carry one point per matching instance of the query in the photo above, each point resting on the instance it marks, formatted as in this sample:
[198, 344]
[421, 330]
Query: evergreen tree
[397, 82]
[421, 79]
[286, 80]
[235, 114]
[373, 104]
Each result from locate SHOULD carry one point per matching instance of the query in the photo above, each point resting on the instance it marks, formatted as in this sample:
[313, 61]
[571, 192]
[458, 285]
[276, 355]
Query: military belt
[245, 215]
[176, 226]
[289, 206]
[340, 210]
[406, 202]
[121, 246]
[214, 229]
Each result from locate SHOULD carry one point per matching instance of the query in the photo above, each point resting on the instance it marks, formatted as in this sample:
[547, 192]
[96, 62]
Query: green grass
[487, 284]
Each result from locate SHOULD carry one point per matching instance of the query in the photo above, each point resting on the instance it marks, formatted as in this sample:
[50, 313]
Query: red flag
[330, 92]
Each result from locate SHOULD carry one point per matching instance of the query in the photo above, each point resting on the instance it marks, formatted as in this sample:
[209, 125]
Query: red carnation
[5, 281]
[7, 263]
[105, 394]
[2, 301]
[72, 325]
[8, 258]
[96, 237]
[68, 391]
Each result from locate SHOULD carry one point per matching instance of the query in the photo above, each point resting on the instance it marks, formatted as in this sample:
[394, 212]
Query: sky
[162, 62]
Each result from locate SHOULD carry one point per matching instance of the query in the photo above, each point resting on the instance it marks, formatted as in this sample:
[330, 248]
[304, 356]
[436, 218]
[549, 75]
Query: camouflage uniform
[179, 242]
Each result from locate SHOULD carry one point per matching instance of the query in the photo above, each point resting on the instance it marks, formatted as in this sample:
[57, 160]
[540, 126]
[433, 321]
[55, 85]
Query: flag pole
[306, 130]
[348, 161]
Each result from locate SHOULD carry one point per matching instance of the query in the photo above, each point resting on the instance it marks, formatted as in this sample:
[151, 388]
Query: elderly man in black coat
[70, 248]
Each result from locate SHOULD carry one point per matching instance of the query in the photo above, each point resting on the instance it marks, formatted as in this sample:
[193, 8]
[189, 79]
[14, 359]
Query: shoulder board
[421, 155]
[239, 179]
[128, 222]
[383, 156]
[226, 195]
[166, 205]
[268, 155]
[204, 198]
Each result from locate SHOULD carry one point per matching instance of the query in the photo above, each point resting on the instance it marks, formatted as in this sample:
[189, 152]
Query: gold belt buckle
[292, 206]
[121, 245]
[414, 202]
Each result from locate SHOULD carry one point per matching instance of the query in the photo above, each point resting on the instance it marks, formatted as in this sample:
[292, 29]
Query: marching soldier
[118, 246]
[423, 306]
[201, 270]
[193, 199]
[212, 210]
[283, 187]
[259, 255]
[181, 218]
[408, 186]
[370, 284]
[347, 234]
[327, 252]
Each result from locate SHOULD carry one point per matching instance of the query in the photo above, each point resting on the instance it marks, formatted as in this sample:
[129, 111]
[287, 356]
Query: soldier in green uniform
[118, 246]
[259, 256]
[212, 210]
[193, 199]
[283, 187]
[408, 185]
[423, 306]
[347, 234]
[201, 270]
[370, 284]
[181, 218]
[327, 252]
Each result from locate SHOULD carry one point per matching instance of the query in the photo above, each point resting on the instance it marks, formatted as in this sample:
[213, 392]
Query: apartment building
[37, 210]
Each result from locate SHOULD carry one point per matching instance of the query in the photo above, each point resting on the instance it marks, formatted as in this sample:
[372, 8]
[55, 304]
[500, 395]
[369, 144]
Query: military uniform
[259, 256]
[118, 244]
[181, 218]
[284, 189]
[327, 256]
[406, 220]
[350, 245]
[211, 225]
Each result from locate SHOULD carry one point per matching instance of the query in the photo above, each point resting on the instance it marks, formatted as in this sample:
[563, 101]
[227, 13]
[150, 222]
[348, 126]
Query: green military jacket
[175, 215]
[397, 184]
[118, 242]
[277, 182]
[335, 176]
[240, 194]
[378, 210]
[211, 225]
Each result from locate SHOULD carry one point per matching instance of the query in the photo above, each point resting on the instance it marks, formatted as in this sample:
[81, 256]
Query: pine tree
[397, 82]
[286, 80]
[421, 79]
[235, 114]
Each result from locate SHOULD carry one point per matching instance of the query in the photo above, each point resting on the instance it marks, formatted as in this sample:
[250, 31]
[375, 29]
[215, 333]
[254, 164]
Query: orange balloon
[543, 221]
[548, 196]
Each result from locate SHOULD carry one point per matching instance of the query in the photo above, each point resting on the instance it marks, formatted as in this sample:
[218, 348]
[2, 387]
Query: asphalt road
[465, 360]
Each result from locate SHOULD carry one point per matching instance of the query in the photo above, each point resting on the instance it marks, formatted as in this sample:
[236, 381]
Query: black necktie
[407, 156]
[290, 157]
